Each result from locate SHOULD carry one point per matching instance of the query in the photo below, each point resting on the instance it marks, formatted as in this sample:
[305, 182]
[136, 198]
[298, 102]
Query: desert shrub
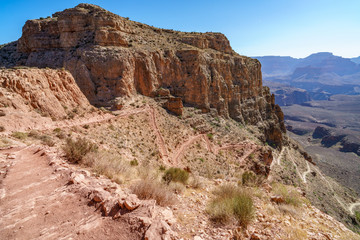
[248, 178]
[291, 195]
[2, 128]
[19, 135]
[75, 150]
[152, 189]
[243, 208]
[176, 175]
[47, 140]
[134, 162]
[57, 130]
[357, 216]
[162, 168]
[61, 135]
[231, 202]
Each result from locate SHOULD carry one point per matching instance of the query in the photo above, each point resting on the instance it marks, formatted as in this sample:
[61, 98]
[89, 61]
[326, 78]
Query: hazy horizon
[254, 28]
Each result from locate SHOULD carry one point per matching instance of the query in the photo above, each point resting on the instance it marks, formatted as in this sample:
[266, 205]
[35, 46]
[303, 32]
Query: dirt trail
[352, 206]
[35, 203]
[159, 137]
[180, 150]
[211, 147]
[307, 172]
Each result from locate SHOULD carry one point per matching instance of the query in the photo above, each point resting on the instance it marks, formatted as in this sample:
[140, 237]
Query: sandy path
[36, 203]
[352, 206]
[180, 150]
[159, 137]
[307, 172]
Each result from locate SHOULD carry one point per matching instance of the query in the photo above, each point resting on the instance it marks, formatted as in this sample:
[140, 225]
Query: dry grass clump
[153, 189]
[19, 135]
[290, 210]
[109, 165]
[290, 195]
[231, 202]
[75, 150]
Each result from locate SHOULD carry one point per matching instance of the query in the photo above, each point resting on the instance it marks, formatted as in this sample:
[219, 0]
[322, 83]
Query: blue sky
[294, 28]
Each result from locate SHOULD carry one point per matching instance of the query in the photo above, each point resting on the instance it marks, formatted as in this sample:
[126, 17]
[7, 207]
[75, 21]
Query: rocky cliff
[110, 57]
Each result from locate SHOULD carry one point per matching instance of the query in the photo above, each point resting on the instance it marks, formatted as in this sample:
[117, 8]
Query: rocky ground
[55, 189]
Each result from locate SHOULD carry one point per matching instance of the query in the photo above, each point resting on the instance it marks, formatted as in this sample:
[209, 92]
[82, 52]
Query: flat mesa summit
[112, 57]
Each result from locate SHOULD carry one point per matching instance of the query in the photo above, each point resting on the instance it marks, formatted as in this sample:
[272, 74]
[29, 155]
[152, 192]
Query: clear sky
[294, 28]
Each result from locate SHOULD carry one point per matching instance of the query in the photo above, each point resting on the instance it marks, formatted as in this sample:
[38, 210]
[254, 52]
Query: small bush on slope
[76, 150]
[231, 202]
[176, 175]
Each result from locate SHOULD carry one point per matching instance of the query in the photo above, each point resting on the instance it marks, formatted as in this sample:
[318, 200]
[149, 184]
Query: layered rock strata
[110, 56]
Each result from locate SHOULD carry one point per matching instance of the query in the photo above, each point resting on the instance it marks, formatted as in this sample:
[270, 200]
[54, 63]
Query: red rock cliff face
[110, 56]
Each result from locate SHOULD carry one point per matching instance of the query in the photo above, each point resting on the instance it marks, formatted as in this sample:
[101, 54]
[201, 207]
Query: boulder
[174, 105]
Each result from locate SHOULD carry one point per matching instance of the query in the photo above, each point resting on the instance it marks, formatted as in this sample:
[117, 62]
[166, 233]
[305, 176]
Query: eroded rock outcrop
[50, 92]
[110, 56]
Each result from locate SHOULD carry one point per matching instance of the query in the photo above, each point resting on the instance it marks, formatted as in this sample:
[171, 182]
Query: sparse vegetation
[176, 175]
[357, 216]
[231, 202]
[20, 135]
[134, 162]
[109, 165]
[152, 189]
[47, 140]
[248, 178]
[291, 195]
[75, 150]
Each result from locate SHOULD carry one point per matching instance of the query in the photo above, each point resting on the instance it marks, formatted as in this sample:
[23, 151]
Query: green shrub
[357, 216]
[134, 162]
[76, 150]
[19, 135]
[57, 130]
[231, 202]
[175, 175]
